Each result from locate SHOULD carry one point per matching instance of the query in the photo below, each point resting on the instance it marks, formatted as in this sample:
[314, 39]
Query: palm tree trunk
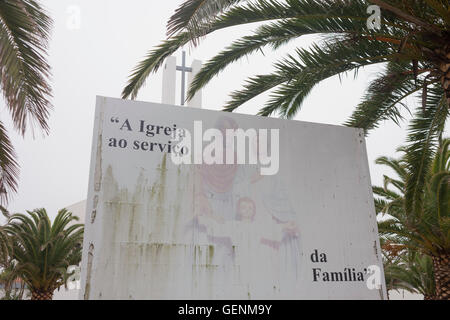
[41, 295]
[441, 266]
[445, 78]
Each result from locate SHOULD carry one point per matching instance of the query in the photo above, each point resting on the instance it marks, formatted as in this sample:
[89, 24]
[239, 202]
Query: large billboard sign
[186, 203]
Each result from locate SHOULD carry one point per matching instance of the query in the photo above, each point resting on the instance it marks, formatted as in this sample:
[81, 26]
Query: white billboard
[287, 214]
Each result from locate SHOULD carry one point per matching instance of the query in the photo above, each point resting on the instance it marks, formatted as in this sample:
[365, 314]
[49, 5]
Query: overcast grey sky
[97, 58]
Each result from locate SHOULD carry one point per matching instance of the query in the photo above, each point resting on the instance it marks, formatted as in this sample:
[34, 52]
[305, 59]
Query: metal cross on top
[170, 79]
[183, 68]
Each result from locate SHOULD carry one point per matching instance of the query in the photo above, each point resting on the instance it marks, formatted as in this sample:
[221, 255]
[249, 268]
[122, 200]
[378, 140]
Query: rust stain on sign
[152, 240]
[87, 289]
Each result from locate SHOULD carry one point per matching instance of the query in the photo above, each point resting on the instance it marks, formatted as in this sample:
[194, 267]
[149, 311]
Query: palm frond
[192, 15]
[235, 16]
[423, 139]
[5, 247]
[384, 97]
[412, 272]
[441, 7]
[4, 211]
[298, 75]
[321, 18]
[396, 165]
[414, 18]
[386, 193]
[44, 250]
[9, 168]
[24, 71]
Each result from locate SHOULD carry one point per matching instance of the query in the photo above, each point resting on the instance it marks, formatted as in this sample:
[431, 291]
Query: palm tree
[13, 287]
[24, 76]
[44, 251]
[7, 270]
[408, 270]
[5, 243]
[427, 231]
[5, 248]
[412, 44]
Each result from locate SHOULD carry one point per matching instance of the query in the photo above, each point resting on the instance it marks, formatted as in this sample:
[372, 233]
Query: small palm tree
[5, 243]
[6, 277]
[43, 251]
[5, 246]
[426, 231]
[7, 265]
[24, 76]
[408, 270]
[13, 287]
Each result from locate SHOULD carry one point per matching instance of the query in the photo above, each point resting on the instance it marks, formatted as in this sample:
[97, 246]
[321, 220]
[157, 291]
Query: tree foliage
[24, 79]
[44, 250]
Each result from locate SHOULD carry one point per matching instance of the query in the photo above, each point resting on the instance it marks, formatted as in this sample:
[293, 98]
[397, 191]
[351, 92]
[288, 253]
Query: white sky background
[97, 59]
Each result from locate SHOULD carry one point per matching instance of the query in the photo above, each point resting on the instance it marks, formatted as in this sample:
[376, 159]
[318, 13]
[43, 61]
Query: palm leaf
[384, 96]
[318, 18]
[44, 250]
[298, 75]
[24, 77]
[24, 33]
[423, 138]
[9, 167]
[193, 14]
[155, 57]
